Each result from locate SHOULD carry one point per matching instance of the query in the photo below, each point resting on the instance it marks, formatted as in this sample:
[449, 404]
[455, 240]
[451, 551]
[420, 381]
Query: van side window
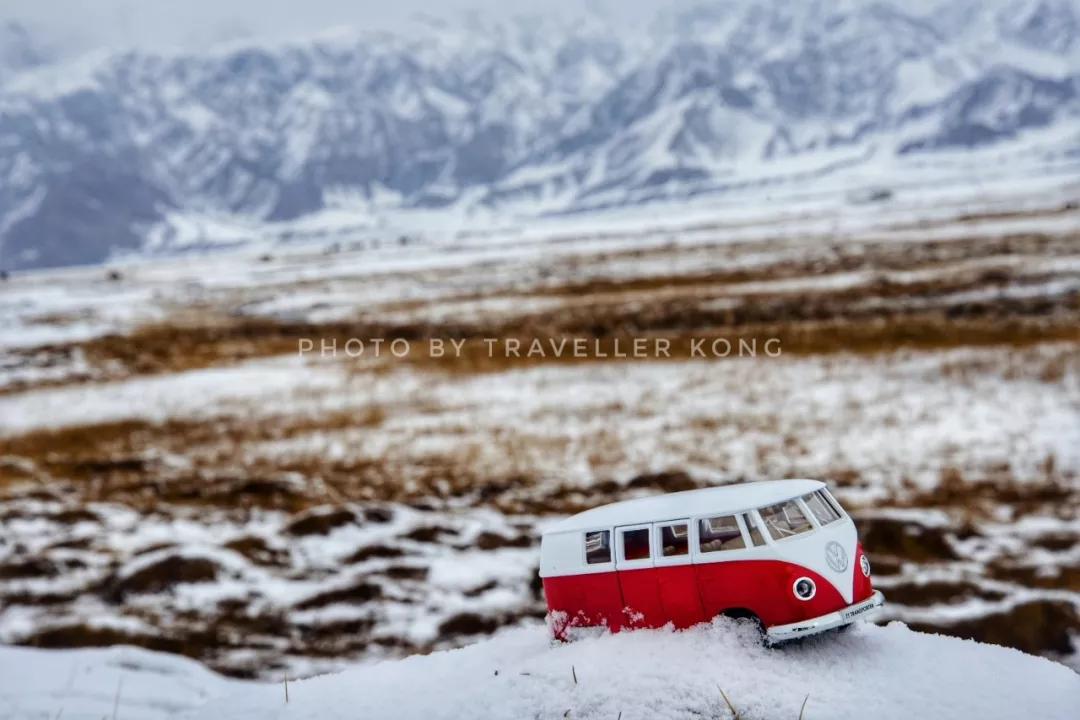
[675, 539]
[784, 520]
[636, 544]
[821, 508]
[598, 547]
[755, 532]
[720, 533]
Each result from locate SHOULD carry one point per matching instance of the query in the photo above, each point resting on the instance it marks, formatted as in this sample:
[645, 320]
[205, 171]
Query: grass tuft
[734, 712]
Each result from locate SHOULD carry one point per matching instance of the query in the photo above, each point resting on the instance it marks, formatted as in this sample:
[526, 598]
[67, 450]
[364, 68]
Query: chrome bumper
[804, 628]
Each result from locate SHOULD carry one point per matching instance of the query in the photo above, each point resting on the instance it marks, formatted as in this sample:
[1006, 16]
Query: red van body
[783, 552]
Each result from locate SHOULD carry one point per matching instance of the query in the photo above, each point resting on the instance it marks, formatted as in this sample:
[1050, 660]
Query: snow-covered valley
[177, 474]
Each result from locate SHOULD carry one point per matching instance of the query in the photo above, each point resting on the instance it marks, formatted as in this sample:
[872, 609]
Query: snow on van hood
[870, 671]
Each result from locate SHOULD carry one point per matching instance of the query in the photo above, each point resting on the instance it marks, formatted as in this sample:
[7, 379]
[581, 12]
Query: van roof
[671, 506]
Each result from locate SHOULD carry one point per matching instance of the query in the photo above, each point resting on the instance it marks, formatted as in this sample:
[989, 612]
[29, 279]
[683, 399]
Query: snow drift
[870, 671]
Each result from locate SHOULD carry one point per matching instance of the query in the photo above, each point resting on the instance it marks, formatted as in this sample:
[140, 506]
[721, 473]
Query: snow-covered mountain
[18, 50]
[113, 151]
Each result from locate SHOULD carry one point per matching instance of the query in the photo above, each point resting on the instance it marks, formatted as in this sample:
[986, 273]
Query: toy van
[783, 553]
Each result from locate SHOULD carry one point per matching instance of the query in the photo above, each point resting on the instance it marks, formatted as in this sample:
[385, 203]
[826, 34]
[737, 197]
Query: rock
[939, 591]
[29, 568]
[406, 572]
[77, 635]
[674, 481]
[320, 522]
[1034, 627]
[904, 539]
[357, 594]
[162, 575]
[374, 551]
[428, 533]
[271, 493]
[481, 589]
[378, 514]
[72, 516]
[493, 541]
[259, 552]
[468, 623]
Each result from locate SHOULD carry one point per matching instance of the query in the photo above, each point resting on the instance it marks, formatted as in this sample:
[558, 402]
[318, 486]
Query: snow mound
[118, 682]
[870, 671]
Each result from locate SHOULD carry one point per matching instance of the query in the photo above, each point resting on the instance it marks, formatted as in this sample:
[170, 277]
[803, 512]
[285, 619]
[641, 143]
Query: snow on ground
[193, 394]
[988, 412]
[161, 466]
[414, 586]
[915, 418]
[364, 269]
[870, 671]
[85, 684]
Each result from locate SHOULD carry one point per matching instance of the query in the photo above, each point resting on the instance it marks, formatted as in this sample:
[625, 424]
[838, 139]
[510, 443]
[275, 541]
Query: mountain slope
[524, 117]
[882, 672]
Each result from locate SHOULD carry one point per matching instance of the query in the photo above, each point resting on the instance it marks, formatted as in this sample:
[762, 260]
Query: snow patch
[870, 671]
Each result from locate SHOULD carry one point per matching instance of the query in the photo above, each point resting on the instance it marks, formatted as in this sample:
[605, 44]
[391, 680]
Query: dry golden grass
[923, 332]
[797, 259]
[122, 460]
[882, 312]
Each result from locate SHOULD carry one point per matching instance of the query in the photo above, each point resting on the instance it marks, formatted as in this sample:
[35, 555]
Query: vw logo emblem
[836, 556]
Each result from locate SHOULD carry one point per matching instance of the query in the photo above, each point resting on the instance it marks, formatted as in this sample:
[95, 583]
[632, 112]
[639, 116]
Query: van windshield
[822, 510]
[784, 520]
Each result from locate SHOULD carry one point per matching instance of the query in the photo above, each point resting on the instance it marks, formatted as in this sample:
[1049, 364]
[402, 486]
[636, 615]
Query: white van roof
[671, 506]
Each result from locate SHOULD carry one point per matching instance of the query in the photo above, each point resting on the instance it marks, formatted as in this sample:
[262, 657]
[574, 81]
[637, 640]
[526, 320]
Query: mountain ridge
[527, 116]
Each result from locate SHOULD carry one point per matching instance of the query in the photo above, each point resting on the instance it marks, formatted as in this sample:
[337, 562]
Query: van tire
[746, 615]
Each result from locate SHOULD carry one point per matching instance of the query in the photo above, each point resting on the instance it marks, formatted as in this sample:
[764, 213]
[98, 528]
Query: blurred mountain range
[108, 152]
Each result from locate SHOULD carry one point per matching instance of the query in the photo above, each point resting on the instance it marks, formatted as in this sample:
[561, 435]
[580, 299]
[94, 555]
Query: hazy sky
[187, 23]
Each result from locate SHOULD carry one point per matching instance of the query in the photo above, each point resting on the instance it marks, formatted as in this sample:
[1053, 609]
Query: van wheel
[745, 616]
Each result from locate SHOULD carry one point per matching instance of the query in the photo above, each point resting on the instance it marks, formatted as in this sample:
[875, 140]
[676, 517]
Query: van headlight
[804, 588]
[864, 563]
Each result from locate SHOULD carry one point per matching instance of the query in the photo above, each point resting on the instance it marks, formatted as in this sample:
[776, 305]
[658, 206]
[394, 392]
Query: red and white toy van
[782, 552]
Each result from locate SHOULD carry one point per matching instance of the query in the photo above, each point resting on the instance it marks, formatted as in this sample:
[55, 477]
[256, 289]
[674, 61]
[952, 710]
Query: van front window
[821, 508]
[784, 520]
